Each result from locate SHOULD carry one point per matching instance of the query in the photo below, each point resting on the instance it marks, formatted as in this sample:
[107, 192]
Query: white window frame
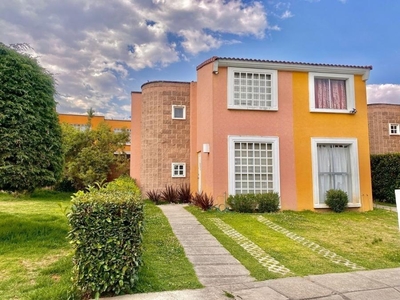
[184, 112]
[396, 126]
[350, 96]
[274, 88]
[178, 164]
[355, 177]
[232, 139]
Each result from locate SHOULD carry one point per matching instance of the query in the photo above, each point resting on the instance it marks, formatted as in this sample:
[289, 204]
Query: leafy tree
[90, 155]
[30, 135]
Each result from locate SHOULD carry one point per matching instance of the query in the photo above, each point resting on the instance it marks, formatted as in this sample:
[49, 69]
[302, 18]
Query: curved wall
[163, 140]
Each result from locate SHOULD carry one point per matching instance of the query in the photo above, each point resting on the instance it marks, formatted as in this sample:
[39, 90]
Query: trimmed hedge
[385, 173]
[106, 233]
[249, 203]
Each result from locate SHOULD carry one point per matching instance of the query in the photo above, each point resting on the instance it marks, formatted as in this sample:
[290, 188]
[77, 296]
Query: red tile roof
[214, 58]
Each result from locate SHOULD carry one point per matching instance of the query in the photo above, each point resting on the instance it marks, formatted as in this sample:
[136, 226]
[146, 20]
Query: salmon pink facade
[257, 126]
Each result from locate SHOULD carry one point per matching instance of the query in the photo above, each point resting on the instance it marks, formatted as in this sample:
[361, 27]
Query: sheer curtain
[330, 93]
[333, 169]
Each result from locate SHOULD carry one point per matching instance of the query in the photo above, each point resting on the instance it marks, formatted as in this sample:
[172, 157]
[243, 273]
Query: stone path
[213, 264]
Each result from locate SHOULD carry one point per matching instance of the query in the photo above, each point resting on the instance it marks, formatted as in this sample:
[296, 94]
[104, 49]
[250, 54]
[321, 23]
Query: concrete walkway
[225, 278]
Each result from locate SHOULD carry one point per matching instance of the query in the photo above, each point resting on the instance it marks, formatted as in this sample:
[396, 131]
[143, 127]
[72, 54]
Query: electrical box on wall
[206, 148]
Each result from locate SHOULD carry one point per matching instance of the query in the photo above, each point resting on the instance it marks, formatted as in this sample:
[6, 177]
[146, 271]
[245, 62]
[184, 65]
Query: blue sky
[99, 51]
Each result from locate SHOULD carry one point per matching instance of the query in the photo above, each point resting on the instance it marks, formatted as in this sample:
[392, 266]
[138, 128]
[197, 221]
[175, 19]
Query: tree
[91, 155]
[30, 134]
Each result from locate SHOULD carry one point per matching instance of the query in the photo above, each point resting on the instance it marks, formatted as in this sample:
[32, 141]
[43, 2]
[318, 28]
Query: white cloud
[287, 14]
[383, 93]
[93, 47]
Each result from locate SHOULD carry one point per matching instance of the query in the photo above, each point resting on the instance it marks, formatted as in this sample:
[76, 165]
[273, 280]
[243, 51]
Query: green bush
[337, 200]
[385, 175]
[124, 183]
[106, 233]
[244, 203]
[268, 202]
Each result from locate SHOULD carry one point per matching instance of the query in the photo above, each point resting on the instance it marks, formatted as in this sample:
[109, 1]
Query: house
[253, 126]
[384, 128]
[80, 122]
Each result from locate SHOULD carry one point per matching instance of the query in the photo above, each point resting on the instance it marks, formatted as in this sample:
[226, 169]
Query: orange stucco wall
[324, 125]
[136, 116]
[96, 120]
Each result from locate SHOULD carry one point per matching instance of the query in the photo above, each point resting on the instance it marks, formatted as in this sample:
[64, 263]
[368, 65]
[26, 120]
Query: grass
[36, 258]
[369, 239]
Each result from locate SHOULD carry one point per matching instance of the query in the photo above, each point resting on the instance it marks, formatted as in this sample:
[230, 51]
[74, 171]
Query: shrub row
[106, 234]
[385, 175]
[249, 203]
[181, 194]
[171, 194]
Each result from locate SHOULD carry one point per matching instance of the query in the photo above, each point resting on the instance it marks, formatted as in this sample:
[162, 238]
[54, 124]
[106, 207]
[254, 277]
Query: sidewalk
[225, 278]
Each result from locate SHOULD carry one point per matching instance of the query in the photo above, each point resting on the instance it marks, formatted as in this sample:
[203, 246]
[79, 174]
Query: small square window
[394, 129]
[178, 170]
[179, 112]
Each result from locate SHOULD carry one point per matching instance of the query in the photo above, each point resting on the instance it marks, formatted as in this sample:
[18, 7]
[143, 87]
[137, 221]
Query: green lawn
[370, 239]
[36, 258]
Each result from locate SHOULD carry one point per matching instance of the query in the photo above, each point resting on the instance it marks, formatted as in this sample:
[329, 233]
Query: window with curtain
[334, 169]
[330, 93]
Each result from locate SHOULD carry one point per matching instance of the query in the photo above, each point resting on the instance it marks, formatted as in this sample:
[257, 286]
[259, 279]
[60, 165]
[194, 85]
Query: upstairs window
[253, 89]
[331, 92]
[81, 127]
[179, 112]
[394, 129]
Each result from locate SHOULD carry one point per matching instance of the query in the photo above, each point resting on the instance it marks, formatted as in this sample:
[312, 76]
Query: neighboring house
[253, 126]
[81, 122]
[384, 128]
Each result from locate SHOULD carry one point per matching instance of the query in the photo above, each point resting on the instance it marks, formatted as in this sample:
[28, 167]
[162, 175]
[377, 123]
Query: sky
[99, 51]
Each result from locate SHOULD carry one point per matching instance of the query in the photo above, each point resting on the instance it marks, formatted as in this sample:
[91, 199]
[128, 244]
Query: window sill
[253, 108]
[332, 111]
[351, 205]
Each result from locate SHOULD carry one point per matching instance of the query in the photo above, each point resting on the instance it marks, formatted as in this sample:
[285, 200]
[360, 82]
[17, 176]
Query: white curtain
[330, 93]
[333, 169]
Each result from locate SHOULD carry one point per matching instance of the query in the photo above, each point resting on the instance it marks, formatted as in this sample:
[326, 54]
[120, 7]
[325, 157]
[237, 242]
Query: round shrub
[337, 200]
[268, 202]
[244, 203]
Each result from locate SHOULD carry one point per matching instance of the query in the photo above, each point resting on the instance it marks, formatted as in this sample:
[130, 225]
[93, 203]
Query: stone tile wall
[379, 117]
[164, 140]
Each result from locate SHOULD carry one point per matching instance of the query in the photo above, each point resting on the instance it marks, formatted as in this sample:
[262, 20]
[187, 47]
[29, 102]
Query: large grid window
[253, 165]
[335, 166]
[394, 129]
[254, 89]
[331, 92]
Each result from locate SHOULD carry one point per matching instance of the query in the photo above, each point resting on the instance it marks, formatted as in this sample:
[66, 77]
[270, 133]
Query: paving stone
[390, 277]
[197, 243]
[206, 250]
[221, 270]
[259, 293]
[221, 282]
[346, 282]
[212, 260]
[382, 294]
[298, 288]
